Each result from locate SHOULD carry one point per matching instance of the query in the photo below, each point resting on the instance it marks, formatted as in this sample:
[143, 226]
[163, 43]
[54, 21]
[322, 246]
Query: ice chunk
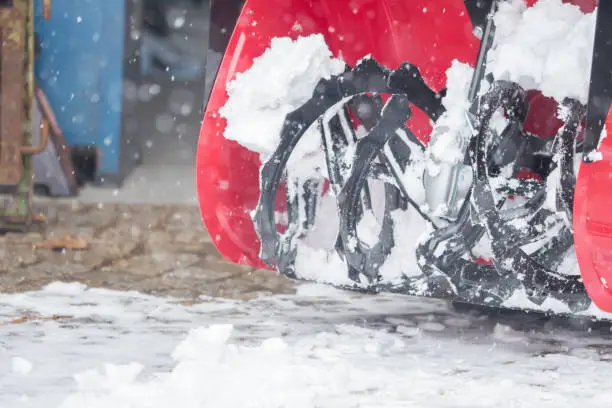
[21, 366]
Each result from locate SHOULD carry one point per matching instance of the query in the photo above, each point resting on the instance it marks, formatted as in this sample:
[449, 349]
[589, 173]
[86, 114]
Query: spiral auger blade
[276, 248]
[385, 128]
[360, 256]
[534, 223]
[527, 240]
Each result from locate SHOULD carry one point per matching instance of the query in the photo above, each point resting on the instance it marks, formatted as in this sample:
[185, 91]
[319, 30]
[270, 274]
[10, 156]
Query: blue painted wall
[80, 68]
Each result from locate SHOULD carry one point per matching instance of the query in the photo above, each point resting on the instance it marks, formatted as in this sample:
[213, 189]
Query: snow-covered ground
[319, 348]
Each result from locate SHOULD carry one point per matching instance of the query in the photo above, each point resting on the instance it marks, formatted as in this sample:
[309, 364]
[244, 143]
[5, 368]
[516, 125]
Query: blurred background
[163, 58]
[116, 93]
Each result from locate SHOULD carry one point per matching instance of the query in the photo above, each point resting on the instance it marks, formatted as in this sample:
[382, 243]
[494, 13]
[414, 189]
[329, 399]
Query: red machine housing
[430, 34]
[593, 224]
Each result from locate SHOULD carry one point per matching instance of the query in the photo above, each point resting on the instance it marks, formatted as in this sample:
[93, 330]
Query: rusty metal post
[18, 29]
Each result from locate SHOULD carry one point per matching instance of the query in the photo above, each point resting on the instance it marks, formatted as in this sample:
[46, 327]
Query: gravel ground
[153, 249]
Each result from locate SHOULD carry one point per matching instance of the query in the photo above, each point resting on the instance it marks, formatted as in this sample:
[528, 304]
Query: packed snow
[548, 46]
[318, 348]
[280, 80]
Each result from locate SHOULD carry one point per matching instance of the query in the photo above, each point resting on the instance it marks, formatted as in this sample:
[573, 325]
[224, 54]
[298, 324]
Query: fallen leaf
[39, 217]
[67, 242]
[21, 320]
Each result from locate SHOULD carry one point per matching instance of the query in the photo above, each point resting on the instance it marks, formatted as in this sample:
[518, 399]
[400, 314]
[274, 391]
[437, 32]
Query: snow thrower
[451, 149]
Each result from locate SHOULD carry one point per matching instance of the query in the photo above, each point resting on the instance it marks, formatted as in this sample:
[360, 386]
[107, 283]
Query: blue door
[80, 68]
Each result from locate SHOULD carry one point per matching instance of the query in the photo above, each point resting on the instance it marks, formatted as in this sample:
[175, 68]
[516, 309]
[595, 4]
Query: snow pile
[282, 79]
[548, 46]
[318, 348]
[356, 367]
